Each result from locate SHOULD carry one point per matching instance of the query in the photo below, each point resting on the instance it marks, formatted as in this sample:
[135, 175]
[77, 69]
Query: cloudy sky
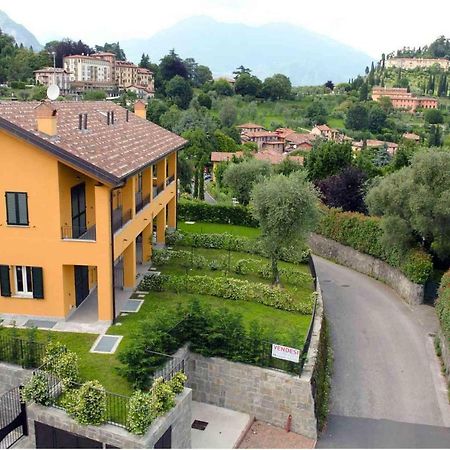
[374, 27]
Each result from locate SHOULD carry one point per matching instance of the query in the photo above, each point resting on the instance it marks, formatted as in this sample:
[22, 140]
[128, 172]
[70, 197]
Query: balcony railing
[170, 180]
[141, 201]
[79, 233]
[120, 218]
[158, 189]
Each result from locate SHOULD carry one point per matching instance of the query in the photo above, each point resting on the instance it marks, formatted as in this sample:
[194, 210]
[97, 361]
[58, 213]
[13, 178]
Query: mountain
[306, 57]
[19, 32]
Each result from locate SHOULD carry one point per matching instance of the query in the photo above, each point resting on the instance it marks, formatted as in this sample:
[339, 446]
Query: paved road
[386, 389]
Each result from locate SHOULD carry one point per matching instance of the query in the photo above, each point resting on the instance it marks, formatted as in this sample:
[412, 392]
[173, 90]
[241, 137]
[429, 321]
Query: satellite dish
[53, 92]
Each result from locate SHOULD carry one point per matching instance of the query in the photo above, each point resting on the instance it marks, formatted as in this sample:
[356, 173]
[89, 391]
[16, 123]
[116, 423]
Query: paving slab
[224, 429]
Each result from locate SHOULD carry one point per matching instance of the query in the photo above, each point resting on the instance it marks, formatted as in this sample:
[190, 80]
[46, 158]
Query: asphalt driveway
[387, 390]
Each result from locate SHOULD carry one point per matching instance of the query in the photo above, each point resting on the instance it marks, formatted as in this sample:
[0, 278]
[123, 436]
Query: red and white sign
[286, 353]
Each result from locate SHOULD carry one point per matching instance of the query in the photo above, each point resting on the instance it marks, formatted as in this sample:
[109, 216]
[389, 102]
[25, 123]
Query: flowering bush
[177, 382]
[163, 397]
[62, 363]
[87, 405]
[140, 412]
[36, 390]
[443, 305]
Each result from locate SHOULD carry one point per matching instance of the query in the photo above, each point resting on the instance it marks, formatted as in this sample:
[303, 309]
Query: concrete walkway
[387, 390]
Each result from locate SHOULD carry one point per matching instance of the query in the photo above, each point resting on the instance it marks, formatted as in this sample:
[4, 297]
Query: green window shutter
[5, 284]
[38, 282]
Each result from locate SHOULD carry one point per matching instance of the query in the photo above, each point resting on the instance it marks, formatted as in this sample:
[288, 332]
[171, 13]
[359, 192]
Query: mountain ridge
[21, 34]
[308, 58]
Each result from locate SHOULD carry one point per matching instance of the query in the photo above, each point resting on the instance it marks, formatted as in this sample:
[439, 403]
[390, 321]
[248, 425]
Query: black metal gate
[13, 418]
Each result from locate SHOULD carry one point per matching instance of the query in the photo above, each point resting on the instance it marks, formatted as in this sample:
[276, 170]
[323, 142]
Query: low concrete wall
[179, 417]
[12, 376]
[411, 292]
[267, 394]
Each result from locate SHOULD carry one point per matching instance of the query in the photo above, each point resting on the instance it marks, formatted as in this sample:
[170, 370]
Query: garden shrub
[62, 363]
[364, 233]
[87, 405]
[234, 289]
[36, 390]
[140, 412]
[152, 282]
[177, 382]
[226, 241]
[443, 306]
[163, 398]
[172, 237]
[215, 213]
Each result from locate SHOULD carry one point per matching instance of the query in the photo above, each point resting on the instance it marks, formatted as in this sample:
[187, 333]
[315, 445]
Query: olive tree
[414, 203]
[287, 208]
[240, 177]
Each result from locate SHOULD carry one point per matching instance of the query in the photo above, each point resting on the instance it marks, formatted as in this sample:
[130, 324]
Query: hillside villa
[391, 147]
[78, 223]
[402, 99]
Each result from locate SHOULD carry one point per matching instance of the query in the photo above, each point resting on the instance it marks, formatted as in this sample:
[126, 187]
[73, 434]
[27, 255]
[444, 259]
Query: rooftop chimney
[140, 109]
[46, 119]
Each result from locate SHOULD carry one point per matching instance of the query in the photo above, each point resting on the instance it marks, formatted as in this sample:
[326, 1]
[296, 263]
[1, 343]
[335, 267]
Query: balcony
[158, 189]
[141, 201]
[78, 233]
[120, 218]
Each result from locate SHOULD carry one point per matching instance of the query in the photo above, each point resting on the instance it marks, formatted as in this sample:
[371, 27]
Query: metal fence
[13, 419]
[26, 353]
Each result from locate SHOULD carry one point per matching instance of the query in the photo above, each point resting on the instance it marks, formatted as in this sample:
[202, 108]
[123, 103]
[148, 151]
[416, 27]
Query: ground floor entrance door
[81, 284]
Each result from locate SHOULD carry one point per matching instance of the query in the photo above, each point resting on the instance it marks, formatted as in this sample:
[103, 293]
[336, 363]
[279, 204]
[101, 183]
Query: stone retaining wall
[267, 394]
[411, 292]
[179, 417]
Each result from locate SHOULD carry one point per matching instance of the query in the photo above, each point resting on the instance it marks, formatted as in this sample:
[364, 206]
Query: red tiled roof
[300, 138]
[375, 143]
[224, 156]
[323, 127]
[413, 136]
[109, 152]
[276, 157]
[256, 134]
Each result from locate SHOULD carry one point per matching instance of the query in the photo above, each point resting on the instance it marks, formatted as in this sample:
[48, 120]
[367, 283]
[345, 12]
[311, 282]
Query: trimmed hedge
[229, 289]
[364, 233]
[443, 305]
[226, 241]
[185, 258]
[196, 210]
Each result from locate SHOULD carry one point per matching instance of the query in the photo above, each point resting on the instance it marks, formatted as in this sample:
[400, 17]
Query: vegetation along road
[386, 388]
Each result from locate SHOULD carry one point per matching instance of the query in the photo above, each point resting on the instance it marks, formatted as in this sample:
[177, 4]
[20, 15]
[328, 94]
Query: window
[16, 208]
[28, 281]
[24, 281]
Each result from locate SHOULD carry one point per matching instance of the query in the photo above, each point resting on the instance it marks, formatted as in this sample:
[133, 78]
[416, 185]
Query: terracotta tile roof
[224, 156]
[323, 127]
[109, 152]
[283, 132]
[256, 134]
[276, 157]
[300, 138]
[250, 126]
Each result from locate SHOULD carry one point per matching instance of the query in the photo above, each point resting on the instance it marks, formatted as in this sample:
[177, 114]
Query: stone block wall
[179, 417]
[411, 292]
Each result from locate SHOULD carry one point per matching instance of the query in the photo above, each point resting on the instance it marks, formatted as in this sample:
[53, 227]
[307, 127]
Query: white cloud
[377, 27]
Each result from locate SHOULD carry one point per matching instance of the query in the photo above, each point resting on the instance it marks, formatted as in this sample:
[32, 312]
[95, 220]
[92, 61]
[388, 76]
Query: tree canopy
[286, 208]
[414, 203]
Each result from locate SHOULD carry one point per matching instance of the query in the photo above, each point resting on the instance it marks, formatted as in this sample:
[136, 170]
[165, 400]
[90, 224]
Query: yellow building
[84, 186]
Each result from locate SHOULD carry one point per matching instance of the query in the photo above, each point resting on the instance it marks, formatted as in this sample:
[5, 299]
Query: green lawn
[334, 122]
[204, 227]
